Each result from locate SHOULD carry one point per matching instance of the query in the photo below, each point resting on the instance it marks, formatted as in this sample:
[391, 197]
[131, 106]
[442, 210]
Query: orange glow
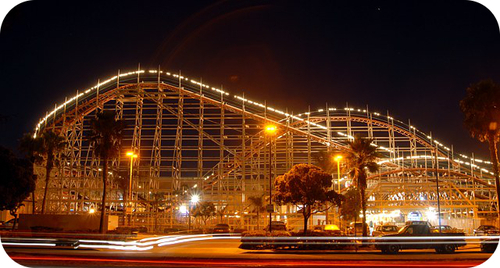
[271, 129]
[131, 154]
[338, 158]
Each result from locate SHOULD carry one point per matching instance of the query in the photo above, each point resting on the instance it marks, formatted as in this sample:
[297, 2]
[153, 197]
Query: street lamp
[129, 207]
[194, 200]
[270, 131]
[337, 159]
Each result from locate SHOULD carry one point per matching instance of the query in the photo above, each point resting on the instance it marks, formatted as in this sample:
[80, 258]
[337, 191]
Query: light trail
[28, 244]
[261, 262]
[149, 243]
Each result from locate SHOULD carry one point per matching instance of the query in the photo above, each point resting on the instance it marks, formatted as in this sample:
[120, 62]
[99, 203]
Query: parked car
[420, 236]
[385, 230]
[277, 226]
[489, 245]
[446, 229]
[418, 223]
[222, 228]
[486, 230]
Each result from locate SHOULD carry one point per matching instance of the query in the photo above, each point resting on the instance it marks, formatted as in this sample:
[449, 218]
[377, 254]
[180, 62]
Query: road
[224, 252]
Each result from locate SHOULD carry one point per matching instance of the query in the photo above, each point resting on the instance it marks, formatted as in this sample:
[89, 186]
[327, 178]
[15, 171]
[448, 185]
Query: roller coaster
[192, 138]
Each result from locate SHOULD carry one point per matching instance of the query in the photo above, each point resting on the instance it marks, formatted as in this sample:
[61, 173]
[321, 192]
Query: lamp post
[337, 159]
[194, 200]
[270, 131]
[129, 207]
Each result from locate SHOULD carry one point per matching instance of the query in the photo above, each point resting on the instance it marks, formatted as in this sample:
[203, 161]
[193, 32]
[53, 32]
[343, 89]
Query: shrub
[254, 233]
[280, 233]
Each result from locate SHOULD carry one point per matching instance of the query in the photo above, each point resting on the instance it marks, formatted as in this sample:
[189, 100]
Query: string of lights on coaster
[270, 109]
[192, 139]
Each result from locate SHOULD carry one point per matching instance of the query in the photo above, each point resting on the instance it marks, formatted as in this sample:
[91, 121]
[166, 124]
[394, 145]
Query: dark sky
[413, 58]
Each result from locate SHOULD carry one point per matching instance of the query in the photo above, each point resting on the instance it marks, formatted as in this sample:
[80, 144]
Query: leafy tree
[351, 206]
[221, 212]
[157, 200]
[258, 204]
[16, 182]
[481, 108]
[105, 138]
[43, 149]
[307, 186]
[205, 210]
[29, 146]
[361, 159]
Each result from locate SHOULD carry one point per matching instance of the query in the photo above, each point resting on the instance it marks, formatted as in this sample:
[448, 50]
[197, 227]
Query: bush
[310, 233]
[281, 233]
[254, 233]
[45, 229]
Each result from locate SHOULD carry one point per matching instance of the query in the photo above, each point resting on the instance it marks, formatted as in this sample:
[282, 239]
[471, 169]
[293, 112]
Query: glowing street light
[194, 200]
[270, 131]
[132, 156]
[183, 209]
[337, 159]
[91, 211]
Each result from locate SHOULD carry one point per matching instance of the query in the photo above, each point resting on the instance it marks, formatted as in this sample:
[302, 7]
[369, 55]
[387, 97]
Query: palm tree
[43, 148]
[29, 146]
[105, 138]
[361, 159]
[205, 210]
[481, 108]
[221, 212]
[258, 203]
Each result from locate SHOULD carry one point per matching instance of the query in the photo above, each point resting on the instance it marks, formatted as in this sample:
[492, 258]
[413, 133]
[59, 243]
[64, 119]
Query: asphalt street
[224, 252]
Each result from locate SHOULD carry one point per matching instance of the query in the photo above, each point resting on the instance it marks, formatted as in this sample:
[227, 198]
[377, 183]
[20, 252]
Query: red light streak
[246, 262]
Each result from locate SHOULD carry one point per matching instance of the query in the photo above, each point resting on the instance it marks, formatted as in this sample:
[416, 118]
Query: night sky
[412, 58]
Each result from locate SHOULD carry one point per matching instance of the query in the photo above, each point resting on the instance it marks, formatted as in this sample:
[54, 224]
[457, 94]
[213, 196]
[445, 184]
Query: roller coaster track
[155, 86]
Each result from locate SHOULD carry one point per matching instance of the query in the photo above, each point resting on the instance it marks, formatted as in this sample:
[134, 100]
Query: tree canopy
[204, 210]
[481, 109]
[307, 186]
[258, 205]
[106, 134]
[351, 207]
[16, 181]
[43, 149]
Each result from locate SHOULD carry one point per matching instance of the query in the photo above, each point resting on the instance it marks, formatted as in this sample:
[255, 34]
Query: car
[489, 245]
[418, 223]
[486, 230]
[277, 226]
[221, 228]
[446, 229]
[385, 230]
[421, 236]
